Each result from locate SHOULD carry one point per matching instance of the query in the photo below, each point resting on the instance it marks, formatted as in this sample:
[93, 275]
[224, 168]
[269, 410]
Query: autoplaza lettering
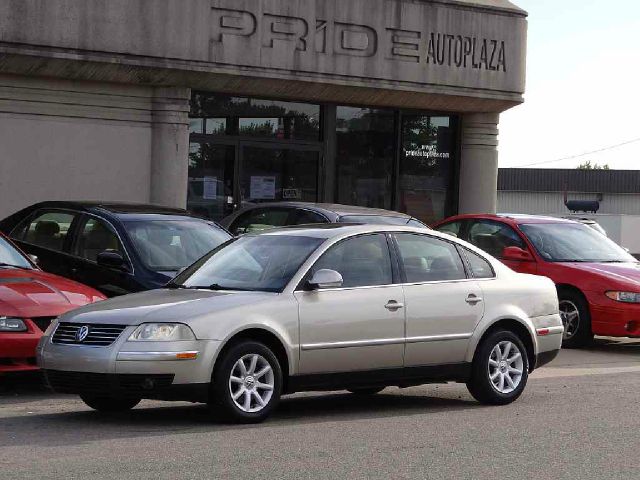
[358, 40]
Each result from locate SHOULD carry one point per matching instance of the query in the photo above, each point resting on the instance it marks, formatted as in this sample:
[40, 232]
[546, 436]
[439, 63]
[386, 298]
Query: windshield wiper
[2, 264]
[173, 285]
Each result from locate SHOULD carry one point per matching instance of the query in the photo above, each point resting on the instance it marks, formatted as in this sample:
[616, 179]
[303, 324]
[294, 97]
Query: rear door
[443, 305]
[48, 234]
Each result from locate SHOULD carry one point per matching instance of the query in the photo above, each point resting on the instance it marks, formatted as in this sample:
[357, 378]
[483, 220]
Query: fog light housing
[12, 324]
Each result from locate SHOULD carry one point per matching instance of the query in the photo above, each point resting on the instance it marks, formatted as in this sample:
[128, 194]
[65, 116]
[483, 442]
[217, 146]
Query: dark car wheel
[247, 383]
[110, 404]
[366, 391]
[500, 369]
[576, 318]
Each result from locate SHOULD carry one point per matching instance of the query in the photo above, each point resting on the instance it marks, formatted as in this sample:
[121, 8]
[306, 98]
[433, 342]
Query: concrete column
[479, 163]
[170, 146]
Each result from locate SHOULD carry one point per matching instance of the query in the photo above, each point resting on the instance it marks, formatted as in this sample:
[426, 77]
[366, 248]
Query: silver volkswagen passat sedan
[327, 307]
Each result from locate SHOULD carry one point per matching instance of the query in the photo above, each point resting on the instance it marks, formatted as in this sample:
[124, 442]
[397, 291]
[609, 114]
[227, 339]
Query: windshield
[377, 219]
[569, 242]
[169, 245]
[260, 263]
[9, 256]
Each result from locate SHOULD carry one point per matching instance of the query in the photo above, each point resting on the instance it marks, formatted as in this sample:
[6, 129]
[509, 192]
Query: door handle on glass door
[473, 299]
[392, 305]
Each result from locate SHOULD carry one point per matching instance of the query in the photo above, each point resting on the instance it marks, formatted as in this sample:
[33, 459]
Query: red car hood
[34, 293]
[622, 272]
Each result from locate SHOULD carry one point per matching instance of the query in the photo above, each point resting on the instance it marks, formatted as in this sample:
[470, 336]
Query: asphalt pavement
[578, 419]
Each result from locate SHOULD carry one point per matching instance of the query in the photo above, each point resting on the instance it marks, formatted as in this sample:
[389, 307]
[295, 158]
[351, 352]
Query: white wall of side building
[552, 203]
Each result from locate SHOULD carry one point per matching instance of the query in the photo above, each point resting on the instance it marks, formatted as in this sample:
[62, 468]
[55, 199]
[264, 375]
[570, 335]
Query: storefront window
[223, 114]
[365, 156]
[426, 166]
[210, 187]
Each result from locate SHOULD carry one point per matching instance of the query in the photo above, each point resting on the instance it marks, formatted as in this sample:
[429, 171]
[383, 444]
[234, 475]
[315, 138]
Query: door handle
[393, 306]
[473, 299]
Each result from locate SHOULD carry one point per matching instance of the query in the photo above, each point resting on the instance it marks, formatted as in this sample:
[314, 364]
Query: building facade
[213, 103]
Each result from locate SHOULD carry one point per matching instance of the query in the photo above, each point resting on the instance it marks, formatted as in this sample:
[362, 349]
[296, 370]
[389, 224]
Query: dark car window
[480, 268]
[9, 255]
[95, 237]
[428, 259]
[362, 261]
[47, 229]
[169, 245]
[259, 219]
[494, 237]
[303, 217]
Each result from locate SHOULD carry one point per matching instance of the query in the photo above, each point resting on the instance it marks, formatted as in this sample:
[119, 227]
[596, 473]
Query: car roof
[111, 207]
[514, 218]
[336, 208]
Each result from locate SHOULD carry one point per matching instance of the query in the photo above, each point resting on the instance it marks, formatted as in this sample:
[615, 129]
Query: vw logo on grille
[82, 333]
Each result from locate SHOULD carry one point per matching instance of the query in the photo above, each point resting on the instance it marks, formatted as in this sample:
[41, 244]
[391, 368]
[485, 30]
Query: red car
[598, 282]
[29, 300]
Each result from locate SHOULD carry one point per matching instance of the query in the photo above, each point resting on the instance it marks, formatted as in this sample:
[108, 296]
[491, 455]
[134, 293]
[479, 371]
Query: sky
[583, 86]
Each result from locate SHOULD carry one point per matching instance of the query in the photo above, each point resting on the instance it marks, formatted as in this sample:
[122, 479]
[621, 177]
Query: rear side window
[480, 268]
[47, 229]
[428, 259]
[259, 219]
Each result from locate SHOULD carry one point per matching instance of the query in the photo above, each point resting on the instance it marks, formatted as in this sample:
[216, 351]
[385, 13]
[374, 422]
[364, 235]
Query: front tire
[110, 404]
[500, 369]
[247, 383]
[576, 319]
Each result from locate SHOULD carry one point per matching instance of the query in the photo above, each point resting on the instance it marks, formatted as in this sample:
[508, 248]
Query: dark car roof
[112, 207]
[335, 208]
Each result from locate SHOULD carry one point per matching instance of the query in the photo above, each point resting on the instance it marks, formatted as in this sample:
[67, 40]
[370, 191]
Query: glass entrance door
[211, 179]
[275, 172]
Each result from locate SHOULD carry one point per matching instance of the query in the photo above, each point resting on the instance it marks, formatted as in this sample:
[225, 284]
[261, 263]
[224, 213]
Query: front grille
[43, 322]
[99, 335]
[108, 384]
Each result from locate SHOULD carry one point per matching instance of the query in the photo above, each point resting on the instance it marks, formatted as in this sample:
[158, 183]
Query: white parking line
[555, 372]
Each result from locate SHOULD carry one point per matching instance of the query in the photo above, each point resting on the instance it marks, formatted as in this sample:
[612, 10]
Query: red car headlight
[624, 297]
[11, 324]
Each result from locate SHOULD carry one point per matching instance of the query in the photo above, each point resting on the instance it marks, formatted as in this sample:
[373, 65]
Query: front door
[443, 306]
[359, 326]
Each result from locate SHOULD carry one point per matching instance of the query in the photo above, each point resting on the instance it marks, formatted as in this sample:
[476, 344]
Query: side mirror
[111, 259]
[34, 258]
[325, 278]
[517, 254]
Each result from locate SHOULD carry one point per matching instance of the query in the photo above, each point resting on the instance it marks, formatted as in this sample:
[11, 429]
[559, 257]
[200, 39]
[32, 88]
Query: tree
[593, 166]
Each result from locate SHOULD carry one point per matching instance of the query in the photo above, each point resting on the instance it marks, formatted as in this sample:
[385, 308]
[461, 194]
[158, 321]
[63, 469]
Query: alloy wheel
[570, 316]
[505, 367]
[251, 383]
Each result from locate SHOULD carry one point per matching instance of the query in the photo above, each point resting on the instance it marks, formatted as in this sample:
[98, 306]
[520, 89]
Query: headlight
[162, 332]
[10, 324]
[624, 297]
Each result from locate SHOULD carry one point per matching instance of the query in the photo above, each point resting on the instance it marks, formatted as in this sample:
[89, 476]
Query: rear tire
[500, 369]
[110, 404]
[247, 383]
[366, 391]
[576, 318]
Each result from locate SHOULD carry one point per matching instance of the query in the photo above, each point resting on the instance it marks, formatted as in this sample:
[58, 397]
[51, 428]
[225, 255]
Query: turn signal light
[186, 355]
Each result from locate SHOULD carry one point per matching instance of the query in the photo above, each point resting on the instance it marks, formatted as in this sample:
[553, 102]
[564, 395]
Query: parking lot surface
[576, 420]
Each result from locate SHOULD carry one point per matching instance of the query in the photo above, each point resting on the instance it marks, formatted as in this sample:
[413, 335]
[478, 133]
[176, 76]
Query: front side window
[260, 219]
[574, 242]
[304, 217]
[169, 245]
[453, 228]
[362, 261]
[494, 237]
[10, 256]
[95, 237]
[48, 230]
[428, 259]
[260, 263]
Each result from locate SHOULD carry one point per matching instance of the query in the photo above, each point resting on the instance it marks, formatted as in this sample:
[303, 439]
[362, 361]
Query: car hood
[164, 305]
[628, 273]
[34, 293]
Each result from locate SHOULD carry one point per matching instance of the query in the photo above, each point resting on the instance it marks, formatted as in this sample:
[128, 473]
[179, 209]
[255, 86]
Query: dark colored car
[29, 301]
[280, 214]
[598, 282]
[115, 248]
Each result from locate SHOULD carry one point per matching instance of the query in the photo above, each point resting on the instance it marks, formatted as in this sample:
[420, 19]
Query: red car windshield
[573, 242]
[10, 257]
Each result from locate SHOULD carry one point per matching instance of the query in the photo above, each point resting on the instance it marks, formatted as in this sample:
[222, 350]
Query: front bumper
[613, 319]
[148, 369]
[18, 350]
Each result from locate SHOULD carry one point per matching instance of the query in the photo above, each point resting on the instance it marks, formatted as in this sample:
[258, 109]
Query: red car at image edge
[598, 281]
[29, 301]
